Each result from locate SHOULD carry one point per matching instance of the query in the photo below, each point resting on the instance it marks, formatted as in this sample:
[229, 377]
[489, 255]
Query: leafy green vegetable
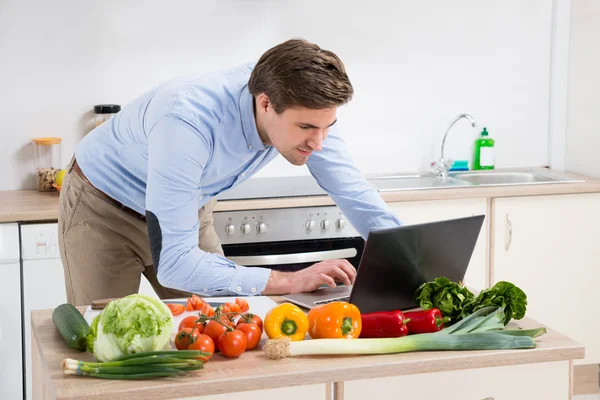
[502, 294]
[457, 302]
[132, 324]
[449, 297]
[92, 334]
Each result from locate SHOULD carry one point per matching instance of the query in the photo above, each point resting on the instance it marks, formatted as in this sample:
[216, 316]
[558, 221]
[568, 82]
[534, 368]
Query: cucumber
[71, 325]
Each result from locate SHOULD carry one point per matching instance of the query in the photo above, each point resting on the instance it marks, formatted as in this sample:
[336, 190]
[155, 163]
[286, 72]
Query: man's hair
[300, 73]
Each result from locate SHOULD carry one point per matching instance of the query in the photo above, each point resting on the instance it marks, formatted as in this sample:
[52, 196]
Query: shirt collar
[253, 140]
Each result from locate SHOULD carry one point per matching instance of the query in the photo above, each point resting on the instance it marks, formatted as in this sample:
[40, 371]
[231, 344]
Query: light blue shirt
[180, 144]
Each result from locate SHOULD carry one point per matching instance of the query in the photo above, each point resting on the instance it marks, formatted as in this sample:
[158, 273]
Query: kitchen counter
[31, 205]
[302, 377]
[28, 205]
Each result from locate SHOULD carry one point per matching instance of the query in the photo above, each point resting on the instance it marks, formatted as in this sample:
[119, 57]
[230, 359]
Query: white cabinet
[312, 392]
[43, 280]
[11, 373]
[548, 381]
[549, 246]
[415, 212]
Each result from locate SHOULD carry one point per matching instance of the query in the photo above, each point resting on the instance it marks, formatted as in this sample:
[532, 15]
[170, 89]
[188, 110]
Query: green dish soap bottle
[485, 156]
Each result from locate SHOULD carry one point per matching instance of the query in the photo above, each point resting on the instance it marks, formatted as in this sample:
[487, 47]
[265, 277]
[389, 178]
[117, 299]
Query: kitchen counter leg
[338, 391]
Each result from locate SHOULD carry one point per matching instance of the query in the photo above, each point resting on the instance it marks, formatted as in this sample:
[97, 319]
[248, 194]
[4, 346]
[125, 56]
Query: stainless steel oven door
[295, 255]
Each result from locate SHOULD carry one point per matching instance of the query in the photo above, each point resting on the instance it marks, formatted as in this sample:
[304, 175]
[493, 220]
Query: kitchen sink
[501, 178]
[528, 176]
[413, 182]
[521, 177]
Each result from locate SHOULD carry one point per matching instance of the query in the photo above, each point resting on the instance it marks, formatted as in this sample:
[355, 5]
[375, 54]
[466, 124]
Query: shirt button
[206, 290]
[243, 174]
[238, 289]
[253, 290]
[250, 146]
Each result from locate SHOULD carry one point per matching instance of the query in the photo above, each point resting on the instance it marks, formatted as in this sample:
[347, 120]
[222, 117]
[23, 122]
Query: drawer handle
[510, 228]
[295, 258]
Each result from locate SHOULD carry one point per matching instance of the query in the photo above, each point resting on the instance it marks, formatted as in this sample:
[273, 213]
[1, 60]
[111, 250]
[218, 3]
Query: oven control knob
[229, 229]
[325, 224]
[340, 224]
[246, 228]
[261, 228]
[310, 225]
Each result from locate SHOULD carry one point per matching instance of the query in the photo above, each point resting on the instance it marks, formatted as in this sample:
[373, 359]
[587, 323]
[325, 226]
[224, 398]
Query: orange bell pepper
[339, 319]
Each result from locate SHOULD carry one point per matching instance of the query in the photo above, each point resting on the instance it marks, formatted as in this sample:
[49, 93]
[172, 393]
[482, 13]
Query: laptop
[396, 261]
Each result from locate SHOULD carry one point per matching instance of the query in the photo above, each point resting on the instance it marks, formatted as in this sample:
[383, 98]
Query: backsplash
[414, 66]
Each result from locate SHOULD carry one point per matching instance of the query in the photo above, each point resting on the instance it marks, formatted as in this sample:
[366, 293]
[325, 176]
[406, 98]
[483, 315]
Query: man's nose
[315, 142]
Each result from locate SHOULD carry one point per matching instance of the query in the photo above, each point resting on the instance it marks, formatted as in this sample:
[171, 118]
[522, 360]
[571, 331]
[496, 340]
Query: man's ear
[262, 102]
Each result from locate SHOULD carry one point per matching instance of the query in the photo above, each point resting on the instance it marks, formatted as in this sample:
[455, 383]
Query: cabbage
[132, 324]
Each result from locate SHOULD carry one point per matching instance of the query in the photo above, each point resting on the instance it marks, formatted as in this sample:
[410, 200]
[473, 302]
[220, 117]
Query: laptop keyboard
[345, 298]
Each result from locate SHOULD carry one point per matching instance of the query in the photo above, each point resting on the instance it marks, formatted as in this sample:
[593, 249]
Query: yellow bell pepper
[335, 320]
[286, 320]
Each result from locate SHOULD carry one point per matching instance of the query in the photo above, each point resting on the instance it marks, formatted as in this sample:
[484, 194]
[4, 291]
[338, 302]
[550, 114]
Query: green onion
[139, 366]
[481, 330]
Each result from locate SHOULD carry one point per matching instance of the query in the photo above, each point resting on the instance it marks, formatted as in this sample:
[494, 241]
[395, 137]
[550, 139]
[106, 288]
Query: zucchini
[71, 325]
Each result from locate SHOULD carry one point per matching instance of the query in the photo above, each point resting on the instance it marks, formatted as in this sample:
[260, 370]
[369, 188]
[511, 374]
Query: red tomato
[191, 322]
[207, 310]
[245, 318]
[232, 307]
[244, 307]
[189, 306]
[203, 343]
[232, 343]
[214, 330]
[252, 332]
[197, 302]
[185, 337]
[176, 309]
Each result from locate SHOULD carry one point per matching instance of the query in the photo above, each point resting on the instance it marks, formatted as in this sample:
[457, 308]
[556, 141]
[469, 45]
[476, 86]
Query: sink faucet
[442, 166]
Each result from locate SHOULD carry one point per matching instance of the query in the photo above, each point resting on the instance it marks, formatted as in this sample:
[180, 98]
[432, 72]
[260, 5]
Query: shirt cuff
[249, 281]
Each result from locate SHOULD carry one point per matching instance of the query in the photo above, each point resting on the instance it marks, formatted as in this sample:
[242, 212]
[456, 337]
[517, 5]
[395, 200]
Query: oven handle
[294, 258]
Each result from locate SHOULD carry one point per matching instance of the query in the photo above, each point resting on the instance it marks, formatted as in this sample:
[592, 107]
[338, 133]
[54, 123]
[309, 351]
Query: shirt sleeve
[335, 171]
[177, 156]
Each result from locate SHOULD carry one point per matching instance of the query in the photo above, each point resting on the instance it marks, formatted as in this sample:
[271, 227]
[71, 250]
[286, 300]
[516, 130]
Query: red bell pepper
[425, 321]
[383, 324]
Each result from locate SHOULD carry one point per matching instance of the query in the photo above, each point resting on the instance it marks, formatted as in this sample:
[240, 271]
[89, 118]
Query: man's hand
[311, 278]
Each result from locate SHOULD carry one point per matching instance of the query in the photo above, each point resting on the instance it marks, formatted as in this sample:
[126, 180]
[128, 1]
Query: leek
[482, 330]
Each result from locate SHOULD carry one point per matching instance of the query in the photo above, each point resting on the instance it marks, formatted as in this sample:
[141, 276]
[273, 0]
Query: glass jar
[103, 112]
[47, 153]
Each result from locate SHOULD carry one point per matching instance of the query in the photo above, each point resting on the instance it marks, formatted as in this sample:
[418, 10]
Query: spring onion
[145, 365]
[482, 330]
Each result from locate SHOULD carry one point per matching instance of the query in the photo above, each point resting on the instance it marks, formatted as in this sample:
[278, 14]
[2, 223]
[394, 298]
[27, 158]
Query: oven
[287, 239]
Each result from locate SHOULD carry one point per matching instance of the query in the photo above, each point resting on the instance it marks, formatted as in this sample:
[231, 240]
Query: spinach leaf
[445, 295]
[502, 294]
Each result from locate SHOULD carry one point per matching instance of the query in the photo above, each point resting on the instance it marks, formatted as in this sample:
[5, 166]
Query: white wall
[414, 65]
[583, 121]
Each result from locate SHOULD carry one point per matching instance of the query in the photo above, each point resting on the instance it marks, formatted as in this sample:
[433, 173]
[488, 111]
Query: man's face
[298, 131]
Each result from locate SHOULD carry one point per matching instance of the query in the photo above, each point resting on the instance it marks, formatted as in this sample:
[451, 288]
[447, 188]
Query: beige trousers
[105, 251]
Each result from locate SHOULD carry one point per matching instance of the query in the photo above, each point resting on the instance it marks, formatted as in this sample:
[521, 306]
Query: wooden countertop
[253, 371]
[31, 205]
[28, 205]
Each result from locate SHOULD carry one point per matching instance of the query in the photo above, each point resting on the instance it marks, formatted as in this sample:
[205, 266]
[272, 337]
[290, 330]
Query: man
[139, 193]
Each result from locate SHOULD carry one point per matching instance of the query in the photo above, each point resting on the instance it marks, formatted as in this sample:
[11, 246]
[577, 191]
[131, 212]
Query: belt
[106, 197]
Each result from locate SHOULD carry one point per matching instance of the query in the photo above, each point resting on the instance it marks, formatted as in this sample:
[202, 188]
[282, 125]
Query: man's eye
[304, 127]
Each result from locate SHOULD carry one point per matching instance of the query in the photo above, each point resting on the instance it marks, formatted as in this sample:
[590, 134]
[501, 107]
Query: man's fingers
[327, 280]
[338, 273]
[348, 269]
